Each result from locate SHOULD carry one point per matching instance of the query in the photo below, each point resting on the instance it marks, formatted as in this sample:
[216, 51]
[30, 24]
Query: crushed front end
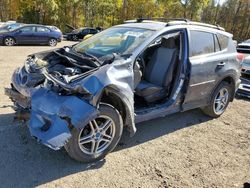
[61, 90]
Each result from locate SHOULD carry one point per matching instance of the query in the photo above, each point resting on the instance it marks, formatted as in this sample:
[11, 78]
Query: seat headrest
[168, 42]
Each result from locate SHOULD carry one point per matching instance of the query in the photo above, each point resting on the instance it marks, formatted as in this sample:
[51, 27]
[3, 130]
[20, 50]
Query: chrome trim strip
[201, 83]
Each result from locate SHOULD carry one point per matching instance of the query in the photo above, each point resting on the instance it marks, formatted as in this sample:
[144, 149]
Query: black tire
[210, 110]
[52, 42]
[73, 147]
[9, 41]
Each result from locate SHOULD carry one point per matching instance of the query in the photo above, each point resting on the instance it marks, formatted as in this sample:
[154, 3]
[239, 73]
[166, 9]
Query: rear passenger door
[42, 35]
[207, 63]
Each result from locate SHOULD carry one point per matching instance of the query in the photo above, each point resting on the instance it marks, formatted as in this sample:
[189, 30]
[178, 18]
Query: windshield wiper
[87, 56]
[93, 59]
[73, 62]
[91, 56]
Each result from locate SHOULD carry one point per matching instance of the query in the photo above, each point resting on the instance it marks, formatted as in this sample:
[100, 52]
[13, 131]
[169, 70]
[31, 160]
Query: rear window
[223, 40]
[43, 30]
[201, 43]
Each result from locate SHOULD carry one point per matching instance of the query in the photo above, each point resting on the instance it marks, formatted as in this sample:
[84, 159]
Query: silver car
[81, 97]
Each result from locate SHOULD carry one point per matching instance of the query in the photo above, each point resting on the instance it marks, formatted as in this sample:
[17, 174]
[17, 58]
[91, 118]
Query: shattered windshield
[113, 40]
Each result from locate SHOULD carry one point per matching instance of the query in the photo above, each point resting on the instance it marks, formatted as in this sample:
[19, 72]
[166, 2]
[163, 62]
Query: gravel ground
[182, 150]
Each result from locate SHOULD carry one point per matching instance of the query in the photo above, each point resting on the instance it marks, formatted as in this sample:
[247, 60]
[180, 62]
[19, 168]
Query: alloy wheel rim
[52, 42]
[220, 101]
[75, 37]
[97, 135]
[9, 41]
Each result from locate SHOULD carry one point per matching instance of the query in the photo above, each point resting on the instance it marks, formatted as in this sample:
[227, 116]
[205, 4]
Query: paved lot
[182, 150]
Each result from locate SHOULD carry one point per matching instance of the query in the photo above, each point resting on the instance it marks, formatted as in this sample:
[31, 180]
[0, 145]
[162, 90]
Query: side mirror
[19, 31]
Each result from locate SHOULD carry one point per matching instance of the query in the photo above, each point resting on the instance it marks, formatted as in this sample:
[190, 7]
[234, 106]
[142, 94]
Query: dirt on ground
[182, 150]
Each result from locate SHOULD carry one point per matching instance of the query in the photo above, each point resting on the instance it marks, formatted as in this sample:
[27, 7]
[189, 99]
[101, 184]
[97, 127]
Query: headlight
[33, 63]
[27, 64]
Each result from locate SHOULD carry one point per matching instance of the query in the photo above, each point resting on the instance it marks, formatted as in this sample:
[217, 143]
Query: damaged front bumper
[53, 116]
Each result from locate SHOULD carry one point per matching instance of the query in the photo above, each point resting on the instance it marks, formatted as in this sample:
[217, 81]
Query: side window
[216, 44]
[85, 31]
[42, 30]
[27, 29]
[93, 31]
[201, 43]
[223, 40]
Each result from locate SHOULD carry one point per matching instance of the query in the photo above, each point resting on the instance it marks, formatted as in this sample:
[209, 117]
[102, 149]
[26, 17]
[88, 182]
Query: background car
[80, 33]
[31, 34]
[244, 48]
[2, 23]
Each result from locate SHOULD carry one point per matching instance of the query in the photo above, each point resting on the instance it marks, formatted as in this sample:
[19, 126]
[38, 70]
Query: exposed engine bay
[57, 70]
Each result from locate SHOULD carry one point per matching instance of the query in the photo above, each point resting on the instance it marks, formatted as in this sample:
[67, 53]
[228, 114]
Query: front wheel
[52, 42]
[220, 100]
[9, 41]
[97, 138]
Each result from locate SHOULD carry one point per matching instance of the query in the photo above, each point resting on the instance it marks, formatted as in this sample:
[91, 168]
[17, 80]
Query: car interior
[156, 70]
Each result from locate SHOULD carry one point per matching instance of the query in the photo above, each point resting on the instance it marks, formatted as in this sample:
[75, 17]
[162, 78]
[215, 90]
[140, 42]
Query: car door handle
[221, 64]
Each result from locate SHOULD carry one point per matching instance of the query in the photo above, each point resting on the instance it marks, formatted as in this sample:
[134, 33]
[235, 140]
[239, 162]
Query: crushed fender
[50, 113]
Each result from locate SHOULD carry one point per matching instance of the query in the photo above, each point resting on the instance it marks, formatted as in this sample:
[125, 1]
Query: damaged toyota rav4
[82, 97]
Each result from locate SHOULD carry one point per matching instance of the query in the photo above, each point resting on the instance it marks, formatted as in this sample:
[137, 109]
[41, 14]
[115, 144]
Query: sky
[221, 1]
[216, 1]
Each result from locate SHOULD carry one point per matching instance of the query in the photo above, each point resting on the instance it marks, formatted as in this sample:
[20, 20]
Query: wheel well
[116, 102]
[52, 38]
[231, 82]
[9, 37]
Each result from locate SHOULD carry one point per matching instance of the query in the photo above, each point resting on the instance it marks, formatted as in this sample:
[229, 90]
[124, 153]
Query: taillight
[240, 57]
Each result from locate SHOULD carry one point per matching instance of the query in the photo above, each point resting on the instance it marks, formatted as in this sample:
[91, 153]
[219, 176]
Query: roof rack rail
[197, 24]
[175, 21]
[162, 19]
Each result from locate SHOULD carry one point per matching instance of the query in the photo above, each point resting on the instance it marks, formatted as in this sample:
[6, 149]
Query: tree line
[233, 15]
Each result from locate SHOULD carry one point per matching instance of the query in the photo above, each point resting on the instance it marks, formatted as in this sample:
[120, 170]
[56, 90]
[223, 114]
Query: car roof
[31, 25]
[34, 25]
[152, 25]
[176, 24]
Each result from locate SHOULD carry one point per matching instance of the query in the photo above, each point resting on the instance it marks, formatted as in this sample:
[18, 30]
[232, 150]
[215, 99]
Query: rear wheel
[9, 41]
[98, 137]
[220, 100]
[52, 42]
